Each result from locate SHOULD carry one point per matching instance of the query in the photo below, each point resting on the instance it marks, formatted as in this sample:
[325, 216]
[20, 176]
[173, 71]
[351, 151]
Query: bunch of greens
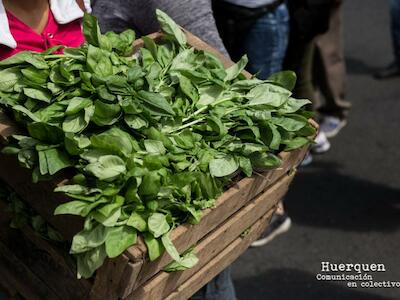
[154, 137]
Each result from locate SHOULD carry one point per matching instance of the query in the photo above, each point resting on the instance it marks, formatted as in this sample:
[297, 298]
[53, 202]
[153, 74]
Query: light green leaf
[74, 123]
[136, 122]
[76, 104]
[268, 94]
[25, 111]
[71, 208]
[290, 123]
[89, 239]
[234, 71]
[224, 166]
[137, 221]
[157, 224]
[296, 143]
[38, 94]
[170, 28]
[154, 147]
[8, 78]
[119, 239]
[155, 247]
[107, 168]
[90, 261]
[169, 247]
[187, 261]
[115, 141]
[293, 105]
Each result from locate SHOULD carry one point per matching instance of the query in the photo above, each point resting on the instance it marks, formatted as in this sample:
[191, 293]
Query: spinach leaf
[224, 166]
[157, 224]
[90, 261]
[171, 28]
[154, 246]
[286, 79]
[107, 168]
[119, 239]
[38, 94]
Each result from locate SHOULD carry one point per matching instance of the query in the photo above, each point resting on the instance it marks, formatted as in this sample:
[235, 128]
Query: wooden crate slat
[7, 288]
[129, 278]
[164, 283]
[109, 277]
[47, 261]
[20, 276]
[230, 202]
[220, 262]
[39, 196]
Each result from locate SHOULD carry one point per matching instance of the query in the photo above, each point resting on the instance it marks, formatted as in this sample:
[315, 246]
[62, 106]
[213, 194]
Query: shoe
[331, 126]
[321, 145]
[308, 159]
[390, 71]
[279, 224]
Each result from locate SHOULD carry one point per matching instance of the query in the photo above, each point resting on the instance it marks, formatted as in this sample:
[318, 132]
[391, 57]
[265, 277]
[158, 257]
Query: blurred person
[393, 69]
[194, 16]
[37, 25]
[259, 29]
[308, 19]
[329, 74]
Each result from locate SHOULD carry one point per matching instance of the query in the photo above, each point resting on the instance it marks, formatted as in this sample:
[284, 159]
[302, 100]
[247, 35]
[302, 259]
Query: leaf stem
[204, 108]
[54, 56]
[187, 125]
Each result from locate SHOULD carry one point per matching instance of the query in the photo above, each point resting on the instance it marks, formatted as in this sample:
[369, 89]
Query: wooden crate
[219, 238]
[37, 269]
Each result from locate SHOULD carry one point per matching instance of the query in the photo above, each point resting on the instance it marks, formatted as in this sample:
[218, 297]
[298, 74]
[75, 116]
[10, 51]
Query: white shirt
[64, 11]
[251, 3]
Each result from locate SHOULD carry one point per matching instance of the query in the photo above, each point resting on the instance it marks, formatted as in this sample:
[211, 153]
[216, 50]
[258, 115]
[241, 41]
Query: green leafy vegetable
[153, 138]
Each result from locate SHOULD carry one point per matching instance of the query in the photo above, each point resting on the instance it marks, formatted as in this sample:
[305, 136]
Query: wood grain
[231, 201]
[220, 262]
[164, 283]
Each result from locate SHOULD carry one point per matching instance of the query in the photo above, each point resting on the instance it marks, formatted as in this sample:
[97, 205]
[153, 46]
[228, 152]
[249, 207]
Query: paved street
[345, 208]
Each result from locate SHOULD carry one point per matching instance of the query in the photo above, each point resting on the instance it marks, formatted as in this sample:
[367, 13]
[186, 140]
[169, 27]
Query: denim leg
[395, 28]
[219, 288]
[267, 41]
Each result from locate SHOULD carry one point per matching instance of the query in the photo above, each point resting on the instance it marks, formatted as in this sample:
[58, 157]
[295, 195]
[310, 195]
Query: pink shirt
[53, 34]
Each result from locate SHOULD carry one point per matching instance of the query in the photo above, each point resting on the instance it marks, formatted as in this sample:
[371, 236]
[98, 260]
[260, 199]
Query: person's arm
[194, 16]
[81, 4]
[84, 5]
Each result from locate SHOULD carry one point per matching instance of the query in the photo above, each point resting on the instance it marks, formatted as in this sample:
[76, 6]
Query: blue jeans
[395, 28]
[267, 41]
[219, 288]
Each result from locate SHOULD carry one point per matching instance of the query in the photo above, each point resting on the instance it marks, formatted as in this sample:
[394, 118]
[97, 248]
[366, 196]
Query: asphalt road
[345, 208]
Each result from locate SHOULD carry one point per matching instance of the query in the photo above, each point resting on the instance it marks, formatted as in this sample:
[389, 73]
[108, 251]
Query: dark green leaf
[286, 79]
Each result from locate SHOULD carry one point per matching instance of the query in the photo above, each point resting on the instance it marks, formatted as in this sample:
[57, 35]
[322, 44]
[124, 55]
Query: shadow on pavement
[322, 197]
[287, 284]
[357, 66]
